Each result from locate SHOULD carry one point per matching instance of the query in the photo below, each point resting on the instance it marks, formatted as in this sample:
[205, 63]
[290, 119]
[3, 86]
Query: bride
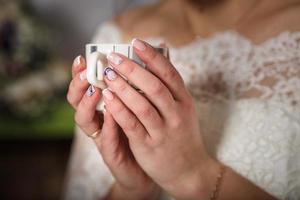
[220, 120]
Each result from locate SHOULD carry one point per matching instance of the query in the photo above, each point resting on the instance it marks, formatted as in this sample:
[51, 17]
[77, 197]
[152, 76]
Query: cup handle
[96, 62]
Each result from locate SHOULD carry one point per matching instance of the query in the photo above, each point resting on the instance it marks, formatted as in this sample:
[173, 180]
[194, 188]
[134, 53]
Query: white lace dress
[248, 103]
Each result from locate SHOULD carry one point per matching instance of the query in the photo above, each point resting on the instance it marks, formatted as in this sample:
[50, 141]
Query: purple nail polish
[90, 91]
[110, 74]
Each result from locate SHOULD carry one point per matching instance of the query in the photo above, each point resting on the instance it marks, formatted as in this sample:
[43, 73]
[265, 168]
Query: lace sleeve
[88, 177]
[276, 71]
[248, 104]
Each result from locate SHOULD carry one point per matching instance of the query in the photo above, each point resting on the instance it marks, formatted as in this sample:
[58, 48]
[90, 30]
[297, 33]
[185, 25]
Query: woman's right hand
[131, 180]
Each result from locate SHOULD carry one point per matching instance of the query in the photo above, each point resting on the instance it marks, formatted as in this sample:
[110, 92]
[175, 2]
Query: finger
[108, 140]
[161, 67]
[110, 145]
[78, 65]
[154, 89]
[131, 126]
[77, 88]
[86, 116]
[133, 100]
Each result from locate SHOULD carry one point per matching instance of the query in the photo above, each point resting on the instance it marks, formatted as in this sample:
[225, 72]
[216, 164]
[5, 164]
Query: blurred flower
[25, 43]
[30, 96]
[27, 86]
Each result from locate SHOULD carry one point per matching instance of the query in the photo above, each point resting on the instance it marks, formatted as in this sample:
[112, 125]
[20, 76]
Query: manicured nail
[108, 94]
[138, 44]
[114, 58]
[77, 61]
[163, 44]
[110, 74]
[82, 75]
[90, 91]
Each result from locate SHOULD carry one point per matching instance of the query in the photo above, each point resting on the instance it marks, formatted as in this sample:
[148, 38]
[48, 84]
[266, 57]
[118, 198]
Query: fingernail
[108, 94]
[90, 91]
[138, 44]
[114, 58]
[77, 60]
[110, 74]
[163, 44]
[82, 75]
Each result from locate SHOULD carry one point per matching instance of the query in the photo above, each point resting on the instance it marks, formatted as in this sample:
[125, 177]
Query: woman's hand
[161, 124]
[131, 181]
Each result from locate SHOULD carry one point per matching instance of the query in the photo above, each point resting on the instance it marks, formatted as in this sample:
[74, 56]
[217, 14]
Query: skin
[163, 135]
[153, 139]
[131, 181]
[205, 19]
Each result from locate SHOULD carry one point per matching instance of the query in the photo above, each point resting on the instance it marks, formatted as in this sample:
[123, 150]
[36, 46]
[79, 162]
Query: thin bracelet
[215, 194]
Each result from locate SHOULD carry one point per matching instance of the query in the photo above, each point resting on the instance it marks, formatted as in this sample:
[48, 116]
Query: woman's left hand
[161, 124]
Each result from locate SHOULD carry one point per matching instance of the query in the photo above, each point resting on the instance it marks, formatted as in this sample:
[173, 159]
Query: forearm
[119, 193]
[234, 186]
[116, 193]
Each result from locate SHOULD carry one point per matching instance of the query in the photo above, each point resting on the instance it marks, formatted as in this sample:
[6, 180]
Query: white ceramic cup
[96, 61]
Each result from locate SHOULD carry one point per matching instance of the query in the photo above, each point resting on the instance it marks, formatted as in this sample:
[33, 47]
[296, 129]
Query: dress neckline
[282, 37]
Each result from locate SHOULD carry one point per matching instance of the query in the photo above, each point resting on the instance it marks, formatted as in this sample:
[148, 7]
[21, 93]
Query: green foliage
[32, 83]
[57, 124]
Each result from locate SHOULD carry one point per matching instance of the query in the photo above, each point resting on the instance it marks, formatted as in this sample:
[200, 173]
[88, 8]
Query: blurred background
[38, 41]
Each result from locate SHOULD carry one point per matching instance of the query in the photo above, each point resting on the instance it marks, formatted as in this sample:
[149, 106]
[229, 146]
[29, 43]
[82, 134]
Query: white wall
[74, 20]
[77, 20]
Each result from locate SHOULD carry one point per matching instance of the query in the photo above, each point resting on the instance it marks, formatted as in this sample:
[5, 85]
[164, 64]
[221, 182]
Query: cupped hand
[160, 123]
[131, 180]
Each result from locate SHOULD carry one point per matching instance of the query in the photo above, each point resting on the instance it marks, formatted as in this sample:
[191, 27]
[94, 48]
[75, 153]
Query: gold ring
[95, 134]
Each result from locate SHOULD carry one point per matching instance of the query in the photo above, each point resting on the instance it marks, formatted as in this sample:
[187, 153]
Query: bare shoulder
[288, 17]
[293, 17]
[272, 24]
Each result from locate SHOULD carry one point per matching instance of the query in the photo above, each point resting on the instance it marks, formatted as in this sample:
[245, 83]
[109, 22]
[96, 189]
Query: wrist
[122, 193]
[199, 183]
[204, 180]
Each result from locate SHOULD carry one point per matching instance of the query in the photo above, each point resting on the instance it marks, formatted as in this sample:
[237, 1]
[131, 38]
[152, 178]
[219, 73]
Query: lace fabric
[248, 103]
